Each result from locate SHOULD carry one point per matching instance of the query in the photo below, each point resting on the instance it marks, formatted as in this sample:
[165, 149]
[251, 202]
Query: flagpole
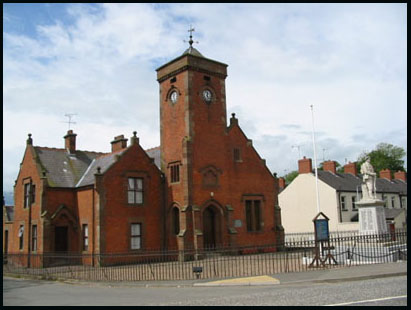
[315, 162]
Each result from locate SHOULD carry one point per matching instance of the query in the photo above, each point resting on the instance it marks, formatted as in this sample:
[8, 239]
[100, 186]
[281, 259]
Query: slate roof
[155, 153]
[104, 162]
[63, 169]
[340, 181]
[77, 170]
[192, 51]
[347, 182]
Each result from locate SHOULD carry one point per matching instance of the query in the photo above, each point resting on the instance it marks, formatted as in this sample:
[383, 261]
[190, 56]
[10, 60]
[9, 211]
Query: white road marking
[369, 300]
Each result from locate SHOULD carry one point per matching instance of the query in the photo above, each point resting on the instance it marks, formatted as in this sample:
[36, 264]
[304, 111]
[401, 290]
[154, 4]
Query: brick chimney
[70, 142]
[400, 175]
[330, 166]
[350, 168]
[386, 174]
[118, 143]
[281, 183]
[305, 165]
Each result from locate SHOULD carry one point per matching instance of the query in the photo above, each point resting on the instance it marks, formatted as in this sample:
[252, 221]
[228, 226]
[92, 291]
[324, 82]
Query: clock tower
[193, 124]
[208, 185]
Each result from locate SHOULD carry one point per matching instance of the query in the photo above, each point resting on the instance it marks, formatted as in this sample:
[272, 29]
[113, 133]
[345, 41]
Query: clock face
[207, 95]
[173, 96]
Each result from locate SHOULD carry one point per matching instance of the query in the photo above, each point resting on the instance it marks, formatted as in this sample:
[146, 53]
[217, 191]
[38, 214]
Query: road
[389, 291]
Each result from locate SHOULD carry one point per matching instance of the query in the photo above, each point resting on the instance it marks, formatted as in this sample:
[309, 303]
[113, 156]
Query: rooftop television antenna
[70, 116]
[324, 154]
[299, 151]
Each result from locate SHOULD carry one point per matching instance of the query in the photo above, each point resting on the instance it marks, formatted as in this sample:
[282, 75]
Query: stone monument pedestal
[371, 216]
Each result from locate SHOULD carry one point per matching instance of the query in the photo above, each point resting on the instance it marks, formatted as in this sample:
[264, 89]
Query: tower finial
[191, 36]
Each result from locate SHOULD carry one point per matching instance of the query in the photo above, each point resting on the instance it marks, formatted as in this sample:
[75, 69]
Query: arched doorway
[61, 239]
[211, 229]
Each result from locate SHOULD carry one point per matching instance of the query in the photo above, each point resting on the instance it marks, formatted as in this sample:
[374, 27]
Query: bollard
[197, 271]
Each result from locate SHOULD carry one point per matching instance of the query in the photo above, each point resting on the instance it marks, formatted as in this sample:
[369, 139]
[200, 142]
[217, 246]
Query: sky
[337, 68]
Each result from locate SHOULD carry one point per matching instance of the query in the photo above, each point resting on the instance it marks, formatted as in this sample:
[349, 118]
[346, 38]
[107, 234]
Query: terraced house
[338, 193]
[205, 186]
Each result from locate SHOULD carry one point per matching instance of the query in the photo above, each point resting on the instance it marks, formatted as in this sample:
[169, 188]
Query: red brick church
[204, 187]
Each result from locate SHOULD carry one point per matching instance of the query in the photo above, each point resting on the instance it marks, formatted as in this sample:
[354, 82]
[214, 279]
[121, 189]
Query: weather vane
[191, 36]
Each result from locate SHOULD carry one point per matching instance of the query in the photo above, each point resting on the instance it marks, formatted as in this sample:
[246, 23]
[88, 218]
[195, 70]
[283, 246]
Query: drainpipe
[164, 207]
[29, 223]
[339, 206]
[93, 229]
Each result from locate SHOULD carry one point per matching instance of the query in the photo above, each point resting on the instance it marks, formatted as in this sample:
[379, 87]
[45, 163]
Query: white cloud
[349, 61]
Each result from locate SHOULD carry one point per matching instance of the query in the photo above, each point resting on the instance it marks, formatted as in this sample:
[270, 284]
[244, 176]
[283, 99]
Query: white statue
[369, 178]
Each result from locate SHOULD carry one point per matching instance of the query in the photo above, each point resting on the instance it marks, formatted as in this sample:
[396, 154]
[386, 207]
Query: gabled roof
[349, 183]
[78, 169]
[63, 169]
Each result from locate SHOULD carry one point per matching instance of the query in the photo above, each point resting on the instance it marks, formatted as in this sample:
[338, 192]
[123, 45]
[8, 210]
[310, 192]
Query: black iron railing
[295, 255]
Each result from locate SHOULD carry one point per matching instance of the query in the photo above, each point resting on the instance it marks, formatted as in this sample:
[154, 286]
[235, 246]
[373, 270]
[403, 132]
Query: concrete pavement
[335, 274]
[361, 272]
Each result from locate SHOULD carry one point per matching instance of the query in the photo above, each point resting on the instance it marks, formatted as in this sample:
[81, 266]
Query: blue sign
[321, 230]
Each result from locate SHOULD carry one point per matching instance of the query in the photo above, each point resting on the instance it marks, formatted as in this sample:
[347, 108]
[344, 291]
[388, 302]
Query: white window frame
[85, 237]
[26, 195]
[353, 200]
[34, 232]
[343, 203]
[21, 237]
[135, 236]
[135, 191]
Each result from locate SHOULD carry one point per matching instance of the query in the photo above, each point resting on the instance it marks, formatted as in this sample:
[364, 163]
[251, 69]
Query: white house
[338, 193]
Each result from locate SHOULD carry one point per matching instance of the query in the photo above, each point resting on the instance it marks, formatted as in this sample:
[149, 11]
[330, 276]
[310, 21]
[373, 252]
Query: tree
[289, 177]
[385, 156]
